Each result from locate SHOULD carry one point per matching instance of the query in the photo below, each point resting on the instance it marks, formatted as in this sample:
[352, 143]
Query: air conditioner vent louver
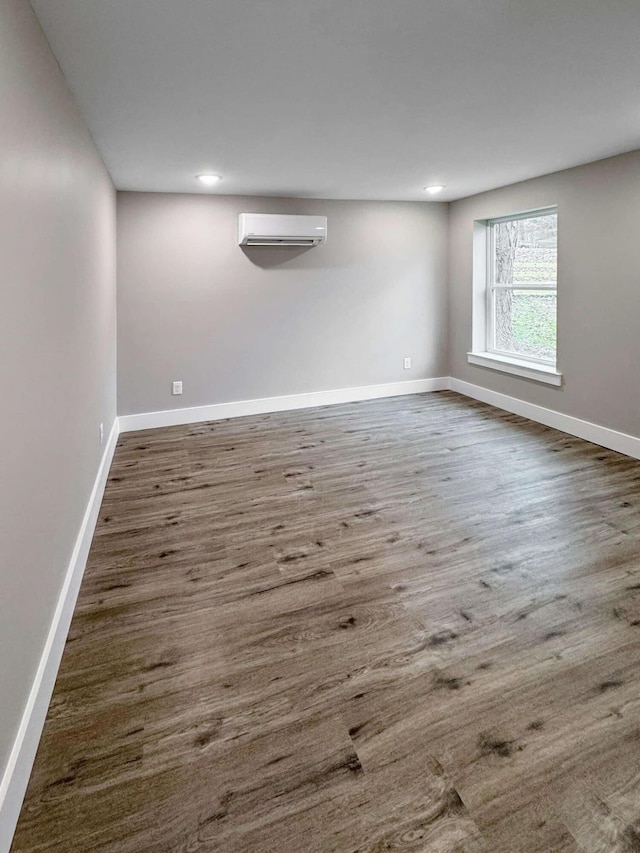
[274, 229]
[277, 241]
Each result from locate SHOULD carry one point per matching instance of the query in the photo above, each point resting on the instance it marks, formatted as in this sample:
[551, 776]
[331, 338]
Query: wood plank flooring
[409, 624]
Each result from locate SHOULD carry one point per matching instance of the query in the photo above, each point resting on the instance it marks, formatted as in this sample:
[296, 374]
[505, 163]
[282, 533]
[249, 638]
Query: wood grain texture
[407, 624]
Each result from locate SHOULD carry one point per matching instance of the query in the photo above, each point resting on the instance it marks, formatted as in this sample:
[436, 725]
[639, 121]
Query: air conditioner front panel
[274, 229]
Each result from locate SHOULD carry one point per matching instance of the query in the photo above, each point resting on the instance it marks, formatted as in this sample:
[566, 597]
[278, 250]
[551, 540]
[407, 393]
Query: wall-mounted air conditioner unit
[275, 229]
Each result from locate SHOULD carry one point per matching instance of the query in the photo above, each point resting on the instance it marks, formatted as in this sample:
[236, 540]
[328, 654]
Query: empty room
[320, 482]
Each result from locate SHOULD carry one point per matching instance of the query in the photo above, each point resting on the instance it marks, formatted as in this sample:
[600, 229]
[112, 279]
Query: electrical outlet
[176, 388]
[406, 363]
[101, 433]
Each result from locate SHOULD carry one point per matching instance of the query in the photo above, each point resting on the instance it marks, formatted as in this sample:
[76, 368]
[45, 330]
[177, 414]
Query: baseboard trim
[264, 405]
[603, 436]
[610, 438]
[16, 776]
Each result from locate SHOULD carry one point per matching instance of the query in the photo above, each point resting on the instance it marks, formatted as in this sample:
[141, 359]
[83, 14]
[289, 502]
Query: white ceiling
[367, 99]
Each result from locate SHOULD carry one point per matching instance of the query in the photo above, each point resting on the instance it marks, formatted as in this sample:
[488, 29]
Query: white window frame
[528, 367]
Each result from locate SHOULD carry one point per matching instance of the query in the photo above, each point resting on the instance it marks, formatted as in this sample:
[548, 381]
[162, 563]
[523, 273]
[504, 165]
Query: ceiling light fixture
[434, 190]
[209, 180]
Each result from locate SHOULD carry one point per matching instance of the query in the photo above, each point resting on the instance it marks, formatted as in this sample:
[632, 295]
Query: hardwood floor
[409, 624]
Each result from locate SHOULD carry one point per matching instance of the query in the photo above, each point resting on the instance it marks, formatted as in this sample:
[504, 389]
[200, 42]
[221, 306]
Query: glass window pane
[525, 323]
[526, 250]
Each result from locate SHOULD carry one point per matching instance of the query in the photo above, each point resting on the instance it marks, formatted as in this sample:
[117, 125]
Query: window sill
[516, 366]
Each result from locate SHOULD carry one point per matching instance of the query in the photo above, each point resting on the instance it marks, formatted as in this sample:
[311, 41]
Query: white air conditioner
[274, 229]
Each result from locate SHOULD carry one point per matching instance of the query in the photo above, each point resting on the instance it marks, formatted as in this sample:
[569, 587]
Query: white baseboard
[217, 411]
[605, 437]
[619, 441]
[16, 776]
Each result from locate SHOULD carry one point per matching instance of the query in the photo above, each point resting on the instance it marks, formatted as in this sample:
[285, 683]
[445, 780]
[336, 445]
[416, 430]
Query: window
[522, 287]
[514, 308]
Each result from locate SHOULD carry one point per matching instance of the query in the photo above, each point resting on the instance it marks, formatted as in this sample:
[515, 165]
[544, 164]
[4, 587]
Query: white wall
[598, 290]
[57, 343]
[237, 324]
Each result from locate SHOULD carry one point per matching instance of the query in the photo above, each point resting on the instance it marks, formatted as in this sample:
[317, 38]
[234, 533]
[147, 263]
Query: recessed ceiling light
[434, 190]
[209, 180]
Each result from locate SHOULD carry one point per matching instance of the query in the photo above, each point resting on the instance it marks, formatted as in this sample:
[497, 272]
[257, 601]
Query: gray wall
[598, 289]
[57, 342]
[237, 325]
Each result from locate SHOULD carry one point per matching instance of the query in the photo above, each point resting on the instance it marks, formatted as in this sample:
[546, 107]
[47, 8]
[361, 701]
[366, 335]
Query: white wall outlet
[101, 433]
[176, 388]
[406, 363]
